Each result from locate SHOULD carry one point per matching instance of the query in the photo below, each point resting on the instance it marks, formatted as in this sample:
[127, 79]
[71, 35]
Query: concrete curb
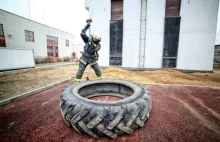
[52, 66]
[33, 69]
[4, 102]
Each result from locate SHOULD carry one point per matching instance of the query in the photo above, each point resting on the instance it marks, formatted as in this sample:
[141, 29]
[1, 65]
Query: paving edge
[34, 69]
[4, 102]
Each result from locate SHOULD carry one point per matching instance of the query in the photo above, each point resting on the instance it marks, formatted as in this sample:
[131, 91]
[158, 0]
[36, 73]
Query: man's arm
[83, 33]
[97, 47]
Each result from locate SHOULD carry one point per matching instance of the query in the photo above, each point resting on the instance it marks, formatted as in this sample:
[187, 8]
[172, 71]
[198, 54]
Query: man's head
[96, 37]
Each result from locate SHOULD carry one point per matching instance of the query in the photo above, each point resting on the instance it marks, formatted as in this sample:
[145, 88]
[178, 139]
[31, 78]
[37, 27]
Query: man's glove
[90, 39]
[91, 42]
[97, 56]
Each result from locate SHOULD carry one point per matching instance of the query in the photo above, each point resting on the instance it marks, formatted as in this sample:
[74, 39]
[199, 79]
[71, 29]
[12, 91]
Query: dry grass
[16, 84]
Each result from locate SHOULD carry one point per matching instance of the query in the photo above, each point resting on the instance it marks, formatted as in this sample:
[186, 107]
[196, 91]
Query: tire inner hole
[106, 91]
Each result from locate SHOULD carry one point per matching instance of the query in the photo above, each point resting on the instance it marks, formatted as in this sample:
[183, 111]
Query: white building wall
[217, 38]
[197, 34]
[77, 48]
[99, 11]
[15, 25]
[154, 33]
[196, 40]
[63, 49]
[131, 33]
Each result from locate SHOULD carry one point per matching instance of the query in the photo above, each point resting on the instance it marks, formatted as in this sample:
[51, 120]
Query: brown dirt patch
[165, 77]
[16, 84]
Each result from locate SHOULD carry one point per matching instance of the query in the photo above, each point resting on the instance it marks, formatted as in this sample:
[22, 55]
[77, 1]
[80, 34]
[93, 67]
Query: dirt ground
[16, 84]
[179, 114]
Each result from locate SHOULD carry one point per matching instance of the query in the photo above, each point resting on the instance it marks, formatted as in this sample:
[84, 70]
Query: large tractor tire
[105, 118]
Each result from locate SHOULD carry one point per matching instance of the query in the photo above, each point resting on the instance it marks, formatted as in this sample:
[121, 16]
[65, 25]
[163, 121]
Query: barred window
[52, 46]
[29, 36]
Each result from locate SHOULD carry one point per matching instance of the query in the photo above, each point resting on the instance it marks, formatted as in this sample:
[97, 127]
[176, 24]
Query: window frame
[3, 37]
[52, 44]
[29, 35]
[67, 42]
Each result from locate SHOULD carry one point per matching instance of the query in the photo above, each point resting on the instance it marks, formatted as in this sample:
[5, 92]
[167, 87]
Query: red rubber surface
[178, 114]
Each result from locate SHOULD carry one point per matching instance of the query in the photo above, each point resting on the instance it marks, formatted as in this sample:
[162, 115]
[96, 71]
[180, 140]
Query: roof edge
[35, 21]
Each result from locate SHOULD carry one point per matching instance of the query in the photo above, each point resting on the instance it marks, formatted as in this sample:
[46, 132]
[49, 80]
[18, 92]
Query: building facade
[152, 34]
[21, 33]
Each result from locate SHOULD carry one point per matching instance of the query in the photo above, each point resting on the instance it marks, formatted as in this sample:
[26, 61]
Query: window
[172, 8]
[171, 33]
[67, 42]
[29, 36]
[116, 32]
[2, 37]
[52, 46]
[116, 9]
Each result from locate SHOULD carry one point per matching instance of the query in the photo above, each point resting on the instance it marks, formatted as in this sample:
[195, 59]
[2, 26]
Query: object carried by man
[90, 54]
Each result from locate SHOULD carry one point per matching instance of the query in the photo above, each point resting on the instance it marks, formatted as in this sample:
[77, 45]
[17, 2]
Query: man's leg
[97, 70]
[82, 67]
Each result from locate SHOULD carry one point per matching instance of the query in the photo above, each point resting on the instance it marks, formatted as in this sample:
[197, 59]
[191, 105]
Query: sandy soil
[166, 77]
[16, 84]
